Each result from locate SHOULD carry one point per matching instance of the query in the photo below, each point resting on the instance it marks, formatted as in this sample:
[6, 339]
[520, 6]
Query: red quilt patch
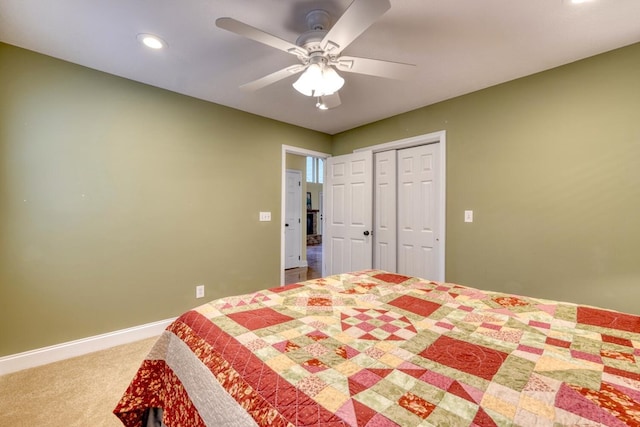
[473, 359]
[608, 319]
[259, 318]
[415, 305]
[392, 278]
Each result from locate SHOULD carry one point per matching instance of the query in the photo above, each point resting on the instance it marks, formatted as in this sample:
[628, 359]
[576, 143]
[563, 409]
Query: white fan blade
[253, 33]
[327, 102]
[358, 17]
[374, 67]
[273, 77]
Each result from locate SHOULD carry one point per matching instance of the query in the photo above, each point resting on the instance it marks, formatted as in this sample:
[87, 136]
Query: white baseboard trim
[57, 352]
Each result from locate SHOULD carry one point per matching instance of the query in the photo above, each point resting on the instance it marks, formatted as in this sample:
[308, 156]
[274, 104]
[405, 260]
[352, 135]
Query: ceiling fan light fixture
[318, 80]
[319, 51]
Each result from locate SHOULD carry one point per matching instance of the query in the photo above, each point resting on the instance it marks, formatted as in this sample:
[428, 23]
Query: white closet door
[417, 213]
[348, 218]
[384, 216]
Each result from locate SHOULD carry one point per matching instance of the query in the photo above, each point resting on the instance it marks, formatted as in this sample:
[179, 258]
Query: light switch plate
[200, 291]
[468, 216]
[265, 216]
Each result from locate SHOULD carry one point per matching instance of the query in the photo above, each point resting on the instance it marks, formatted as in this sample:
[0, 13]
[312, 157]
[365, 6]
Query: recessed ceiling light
[149, 40]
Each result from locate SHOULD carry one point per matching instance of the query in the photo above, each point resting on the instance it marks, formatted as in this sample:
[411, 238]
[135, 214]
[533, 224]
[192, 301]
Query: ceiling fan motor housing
[318, 20]
[318, 23]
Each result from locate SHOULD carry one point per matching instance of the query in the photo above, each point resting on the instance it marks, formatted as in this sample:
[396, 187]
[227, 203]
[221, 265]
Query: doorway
[311, 214]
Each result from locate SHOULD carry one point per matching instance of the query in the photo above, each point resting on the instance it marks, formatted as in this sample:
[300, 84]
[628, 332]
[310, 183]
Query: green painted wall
[550, 164]
[117, 199]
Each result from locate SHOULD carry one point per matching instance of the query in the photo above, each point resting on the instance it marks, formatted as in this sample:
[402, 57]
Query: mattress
[373, 348]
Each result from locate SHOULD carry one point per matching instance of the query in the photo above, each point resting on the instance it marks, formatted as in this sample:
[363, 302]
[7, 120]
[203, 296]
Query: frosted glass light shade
[318, 80]
[332, 81]
[307, 83]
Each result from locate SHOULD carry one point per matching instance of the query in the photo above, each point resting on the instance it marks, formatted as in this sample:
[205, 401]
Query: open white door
[348, 213]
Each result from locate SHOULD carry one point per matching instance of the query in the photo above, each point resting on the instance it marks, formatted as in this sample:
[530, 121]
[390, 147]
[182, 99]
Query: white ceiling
[459, 46]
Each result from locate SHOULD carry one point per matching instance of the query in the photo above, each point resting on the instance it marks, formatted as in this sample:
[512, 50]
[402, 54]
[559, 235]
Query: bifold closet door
[417, 214]
[384, 214]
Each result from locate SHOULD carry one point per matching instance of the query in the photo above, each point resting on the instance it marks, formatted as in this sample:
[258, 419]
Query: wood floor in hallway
[313, 271]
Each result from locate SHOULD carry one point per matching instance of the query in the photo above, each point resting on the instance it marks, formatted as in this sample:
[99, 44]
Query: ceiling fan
[319, 51]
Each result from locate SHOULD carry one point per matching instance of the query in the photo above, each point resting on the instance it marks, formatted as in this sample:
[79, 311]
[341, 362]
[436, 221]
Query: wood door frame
[289, 149]
[429, 138]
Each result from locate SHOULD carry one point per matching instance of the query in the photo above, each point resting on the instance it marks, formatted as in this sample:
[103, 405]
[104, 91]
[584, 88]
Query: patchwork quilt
[373, 348]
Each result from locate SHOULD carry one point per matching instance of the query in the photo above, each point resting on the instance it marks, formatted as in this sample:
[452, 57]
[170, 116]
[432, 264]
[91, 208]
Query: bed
[373, 348]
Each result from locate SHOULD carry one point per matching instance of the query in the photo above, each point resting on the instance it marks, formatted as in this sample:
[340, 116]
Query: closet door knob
[366, 233]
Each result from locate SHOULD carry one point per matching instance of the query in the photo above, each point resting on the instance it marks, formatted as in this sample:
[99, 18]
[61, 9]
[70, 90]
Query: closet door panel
[348, 222]
[417, 198]
[385, 202]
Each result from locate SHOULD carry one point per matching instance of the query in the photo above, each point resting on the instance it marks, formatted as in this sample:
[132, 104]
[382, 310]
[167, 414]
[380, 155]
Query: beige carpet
[76, 392]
